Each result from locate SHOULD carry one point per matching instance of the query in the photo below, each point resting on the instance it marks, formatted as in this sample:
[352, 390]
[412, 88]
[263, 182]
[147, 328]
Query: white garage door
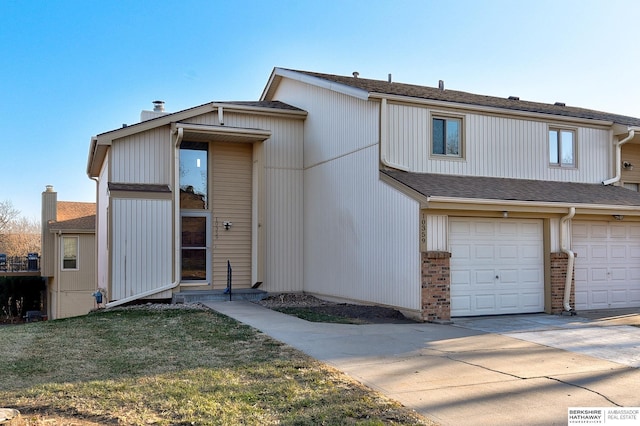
[607, 268]
[497, 266]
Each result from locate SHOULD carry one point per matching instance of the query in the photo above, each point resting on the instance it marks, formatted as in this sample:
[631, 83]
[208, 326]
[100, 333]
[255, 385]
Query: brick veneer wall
[559, 263]
[436, 283]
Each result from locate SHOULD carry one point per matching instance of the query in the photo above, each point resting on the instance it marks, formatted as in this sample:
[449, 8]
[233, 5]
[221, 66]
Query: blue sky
[73, 69]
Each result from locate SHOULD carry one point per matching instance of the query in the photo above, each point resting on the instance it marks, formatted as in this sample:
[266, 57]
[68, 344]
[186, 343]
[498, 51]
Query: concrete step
[193, 296]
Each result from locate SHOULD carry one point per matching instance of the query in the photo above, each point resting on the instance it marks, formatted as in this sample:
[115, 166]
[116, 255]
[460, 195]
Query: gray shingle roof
[490, 188]
[423, 92]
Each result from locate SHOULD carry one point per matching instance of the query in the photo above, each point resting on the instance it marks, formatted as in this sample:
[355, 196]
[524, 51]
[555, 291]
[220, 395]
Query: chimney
[158, 106]
[441, 84]
[158, 111]
[49, 213]
[389, 79]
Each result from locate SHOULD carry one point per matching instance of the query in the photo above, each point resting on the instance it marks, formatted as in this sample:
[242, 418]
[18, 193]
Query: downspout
[176, 242]
[564, 225]
[58, 261]
[384, 124]
[618, 146]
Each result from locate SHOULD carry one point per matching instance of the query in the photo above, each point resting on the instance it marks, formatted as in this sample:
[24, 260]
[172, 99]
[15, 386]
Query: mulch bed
[361, 313]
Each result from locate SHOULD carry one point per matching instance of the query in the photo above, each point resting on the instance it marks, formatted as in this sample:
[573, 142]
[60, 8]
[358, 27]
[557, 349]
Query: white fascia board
[108, 137]
[441, 202]
[240, 132]
[318, 82]
[231, 107]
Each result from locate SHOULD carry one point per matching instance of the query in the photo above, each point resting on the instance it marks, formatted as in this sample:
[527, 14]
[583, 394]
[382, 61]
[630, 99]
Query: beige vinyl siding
[495, 146]
[361, 237]
[143, 260]
[75, 303]
[142, 158]
[231, 194]
[84, 277]
[436, 232]
[281, 177]
[102, 249]
[631, 154]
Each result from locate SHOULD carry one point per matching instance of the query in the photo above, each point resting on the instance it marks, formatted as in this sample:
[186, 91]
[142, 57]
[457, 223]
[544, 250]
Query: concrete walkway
[466, 373]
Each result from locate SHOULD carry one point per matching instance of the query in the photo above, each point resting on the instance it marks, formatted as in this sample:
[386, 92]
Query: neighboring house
[68, 260]
[436, 202]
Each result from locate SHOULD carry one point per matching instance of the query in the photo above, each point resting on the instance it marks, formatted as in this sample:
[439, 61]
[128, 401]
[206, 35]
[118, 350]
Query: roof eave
[487, 109]
[279, 73]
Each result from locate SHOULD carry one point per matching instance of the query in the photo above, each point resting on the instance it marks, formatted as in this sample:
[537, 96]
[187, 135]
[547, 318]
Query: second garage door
[607, 269]
[497, 266]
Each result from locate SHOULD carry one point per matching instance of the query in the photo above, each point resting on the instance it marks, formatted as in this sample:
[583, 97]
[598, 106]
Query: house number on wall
[423, 232]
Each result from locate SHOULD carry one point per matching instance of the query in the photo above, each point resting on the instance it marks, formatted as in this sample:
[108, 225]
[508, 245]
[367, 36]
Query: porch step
[194, 296]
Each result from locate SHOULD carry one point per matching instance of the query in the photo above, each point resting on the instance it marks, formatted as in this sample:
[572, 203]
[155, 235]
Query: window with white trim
[69, 253]
[562, 147]
[446, 136]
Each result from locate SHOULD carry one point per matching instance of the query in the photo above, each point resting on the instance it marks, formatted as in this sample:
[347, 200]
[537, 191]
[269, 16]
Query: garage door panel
[508, 276]
[530, 277]
[508, 252]
[618, 296]
[598, 275]
[462, 304]
[485, 302]
[618, 274]
[598, 253]
[483, 252]
[509, 301]
[609, 275]
[484, 278]
[504, 268]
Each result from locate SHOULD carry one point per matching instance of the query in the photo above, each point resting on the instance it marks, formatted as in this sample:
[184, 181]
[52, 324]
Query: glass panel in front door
[194, 248]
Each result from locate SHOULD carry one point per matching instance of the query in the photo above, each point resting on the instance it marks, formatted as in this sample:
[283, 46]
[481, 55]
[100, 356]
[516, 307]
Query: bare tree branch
[7, 214]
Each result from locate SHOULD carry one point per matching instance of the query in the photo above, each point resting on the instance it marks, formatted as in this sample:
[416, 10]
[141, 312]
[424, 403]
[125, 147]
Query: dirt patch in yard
[352, 313]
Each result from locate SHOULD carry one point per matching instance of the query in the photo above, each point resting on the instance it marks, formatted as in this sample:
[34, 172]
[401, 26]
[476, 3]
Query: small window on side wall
[70, 253]
[446, 136]
[562, 147]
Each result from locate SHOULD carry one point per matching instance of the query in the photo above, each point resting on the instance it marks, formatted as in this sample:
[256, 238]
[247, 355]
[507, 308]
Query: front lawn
[175, 366]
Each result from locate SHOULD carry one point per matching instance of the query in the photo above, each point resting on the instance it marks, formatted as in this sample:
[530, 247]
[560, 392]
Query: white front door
[607, 266]
[497, 266]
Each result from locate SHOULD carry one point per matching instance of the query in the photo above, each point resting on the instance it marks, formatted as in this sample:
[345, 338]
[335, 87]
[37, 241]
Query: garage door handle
[497, 277]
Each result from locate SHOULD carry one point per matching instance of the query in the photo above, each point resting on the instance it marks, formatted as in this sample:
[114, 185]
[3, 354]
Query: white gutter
[176, 242]
[383, 138]
[618, 147]
[564, 226]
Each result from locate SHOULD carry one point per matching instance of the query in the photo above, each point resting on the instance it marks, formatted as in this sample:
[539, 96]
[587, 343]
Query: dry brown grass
[171, 367]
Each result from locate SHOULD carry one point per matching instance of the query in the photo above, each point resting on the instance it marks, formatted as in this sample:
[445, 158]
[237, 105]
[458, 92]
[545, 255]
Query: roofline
[100, 142]
[488, 109]
[279, 73]
[455, 203]
[71, 231]
[434, 201]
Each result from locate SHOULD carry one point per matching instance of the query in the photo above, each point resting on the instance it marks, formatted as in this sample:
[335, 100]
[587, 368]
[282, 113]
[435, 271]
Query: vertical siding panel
[141, 247]
[347, 209]
[495, 146]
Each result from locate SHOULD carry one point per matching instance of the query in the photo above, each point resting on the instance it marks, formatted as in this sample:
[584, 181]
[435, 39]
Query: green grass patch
[172, 367]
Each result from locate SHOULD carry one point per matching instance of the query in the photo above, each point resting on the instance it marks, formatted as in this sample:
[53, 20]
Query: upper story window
[446, 136]
[562, 147]
[70, 253]
[194, 175]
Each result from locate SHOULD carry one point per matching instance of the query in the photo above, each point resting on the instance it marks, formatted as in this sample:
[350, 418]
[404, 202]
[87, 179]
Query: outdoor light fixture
[505, 214]
[227, 225]
[627, 165]
[618, 216]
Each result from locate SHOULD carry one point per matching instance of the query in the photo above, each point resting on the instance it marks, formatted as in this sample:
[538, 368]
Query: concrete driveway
[523, 369]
